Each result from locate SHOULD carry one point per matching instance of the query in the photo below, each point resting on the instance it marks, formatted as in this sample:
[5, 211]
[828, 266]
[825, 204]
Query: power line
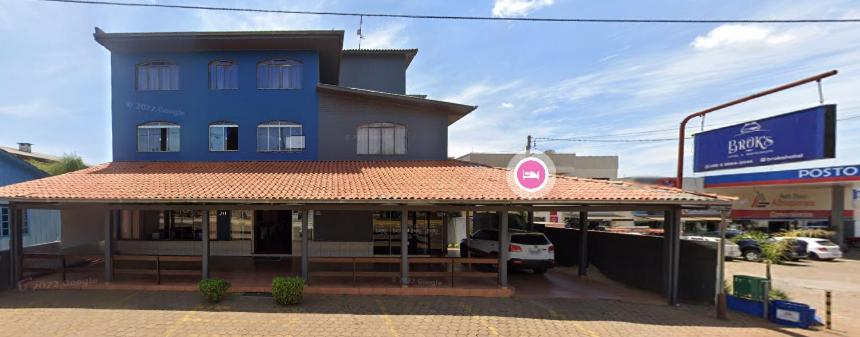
[586, 140]
[457, 17]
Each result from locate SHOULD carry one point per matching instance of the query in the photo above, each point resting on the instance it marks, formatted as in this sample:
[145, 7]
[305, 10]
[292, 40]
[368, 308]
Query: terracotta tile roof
[448, 181]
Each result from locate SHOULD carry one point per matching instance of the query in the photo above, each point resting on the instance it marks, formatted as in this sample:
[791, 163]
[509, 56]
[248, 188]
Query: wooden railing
[451, 270]
[70, 263]
[156, 268]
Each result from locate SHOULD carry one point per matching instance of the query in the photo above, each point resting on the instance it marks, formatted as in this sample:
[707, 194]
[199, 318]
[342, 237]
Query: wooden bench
[158, 269]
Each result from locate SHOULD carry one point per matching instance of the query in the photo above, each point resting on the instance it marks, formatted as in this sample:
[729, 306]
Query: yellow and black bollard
[827, 312]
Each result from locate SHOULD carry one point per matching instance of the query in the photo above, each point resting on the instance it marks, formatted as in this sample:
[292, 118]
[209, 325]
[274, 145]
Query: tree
[68, 163]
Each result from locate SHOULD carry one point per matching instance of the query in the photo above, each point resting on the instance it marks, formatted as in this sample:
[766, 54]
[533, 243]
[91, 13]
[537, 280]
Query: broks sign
[797, 136]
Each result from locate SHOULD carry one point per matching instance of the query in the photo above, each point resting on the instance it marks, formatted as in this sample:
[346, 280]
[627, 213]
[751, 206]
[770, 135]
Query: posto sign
[803, 135]
[827, 172]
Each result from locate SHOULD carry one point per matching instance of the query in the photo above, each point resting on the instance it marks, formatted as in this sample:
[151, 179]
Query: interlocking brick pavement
[127, 313]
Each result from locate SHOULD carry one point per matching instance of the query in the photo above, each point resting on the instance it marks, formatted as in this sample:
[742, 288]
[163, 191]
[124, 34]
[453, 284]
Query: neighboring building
[40, 225]
[820, 197]
[566, 164]
[276, 150]
[571, 165]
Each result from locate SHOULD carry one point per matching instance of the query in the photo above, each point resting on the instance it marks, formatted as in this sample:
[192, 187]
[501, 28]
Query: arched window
[280, 136]
[381, 138]
[223, 74]
[157, 75]
[223, 136]
[158, 137]
[279, 74]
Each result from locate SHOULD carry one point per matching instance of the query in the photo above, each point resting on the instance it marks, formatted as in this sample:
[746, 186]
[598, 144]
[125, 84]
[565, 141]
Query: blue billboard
[796, 136]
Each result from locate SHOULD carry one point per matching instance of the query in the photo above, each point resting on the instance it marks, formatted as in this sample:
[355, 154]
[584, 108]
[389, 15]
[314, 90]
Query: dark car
[796, 249]
[750, 249]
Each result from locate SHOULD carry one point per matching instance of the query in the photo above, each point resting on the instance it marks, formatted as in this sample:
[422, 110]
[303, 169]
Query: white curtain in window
[157, 76]
[381, 138]
[223, 75]
[279, 74]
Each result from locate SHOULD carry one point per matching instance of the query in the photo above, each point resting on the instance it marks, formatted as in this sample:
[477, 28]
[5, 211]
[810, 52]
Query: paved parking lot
[124, 313]
[805, 281]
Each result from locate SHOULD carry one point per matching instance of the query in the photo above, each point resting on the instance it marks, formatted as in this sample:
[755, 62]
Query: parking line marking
[391, 330]
[556, 315]
[493, 331]
[184, 318]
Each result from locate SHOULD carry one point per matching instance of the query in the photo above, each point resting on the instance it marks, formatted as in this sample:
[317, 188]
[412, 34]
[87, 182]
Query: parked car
[732, 250]
[796, 248]
[750, 248]
[527, 250]
[821, 249]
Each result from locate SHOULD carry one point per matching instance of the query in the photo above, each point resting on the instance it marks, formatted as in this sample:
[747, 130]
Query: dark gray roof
[327, 43]
[455, 110]
[409, 54]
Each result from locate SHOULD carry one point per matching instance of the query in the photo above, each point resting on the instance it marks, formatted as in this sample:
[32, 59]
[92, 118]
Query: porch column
[837, 208]
[672, 247]
[503, 248]
[404, 248]
[305, 250]
[445, 234]
[16, 245]
[583, 244]
[204, 239]
[108, 230]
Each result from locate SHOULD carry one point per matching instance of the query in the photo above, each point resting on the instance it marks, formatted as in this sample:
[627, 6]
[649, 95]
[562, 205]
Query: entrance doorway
[273, 232]
[424, 235]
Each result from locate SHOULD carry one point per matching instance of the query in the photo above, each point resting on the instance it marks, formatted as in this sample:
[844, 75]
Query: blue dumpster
[792, 314]
[747, 306]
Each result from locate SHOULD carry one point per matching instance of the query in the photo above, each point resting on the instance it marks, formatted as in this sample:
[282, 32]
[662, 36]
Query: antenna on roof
[358, 32]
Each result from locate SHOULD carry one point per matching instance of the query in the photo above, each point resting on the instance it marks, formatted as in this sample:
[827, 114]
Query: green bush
[776, 294]
[214, 289]
[809, 233]
[288, 290]
[760, 237]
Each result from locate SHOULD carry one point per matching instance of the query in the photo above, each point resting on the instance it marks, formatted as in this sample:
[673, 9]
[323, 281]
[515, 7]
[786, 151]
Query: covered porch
[337, 225]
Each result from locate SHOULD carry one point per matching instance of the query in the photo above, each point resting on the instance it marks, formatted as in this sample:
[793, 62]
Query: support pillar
[583, 244]
[108, 239]
[672, 247]
[305, 250]
[404, 248]
[16, 245]
[445, 234]
[204, 239]
[837, 208]
[503, 248]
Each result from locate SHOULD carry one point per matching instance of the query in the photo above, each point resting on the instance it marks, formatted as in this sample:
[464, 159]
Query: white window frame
[230, 79]
[5, 229]
[278, 67]
[296, 142]
[223, 125]
[381, 139]
[160, 125]
[159, 69]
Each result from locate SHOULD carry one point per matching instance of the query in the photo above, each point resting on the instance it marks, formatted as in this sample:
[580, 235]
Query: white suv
[528, 250]
[821, 249]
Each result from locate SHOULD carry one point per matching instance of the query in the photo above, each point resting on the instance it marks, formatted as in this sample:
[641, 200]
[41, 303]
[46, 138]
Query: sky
[551, 80]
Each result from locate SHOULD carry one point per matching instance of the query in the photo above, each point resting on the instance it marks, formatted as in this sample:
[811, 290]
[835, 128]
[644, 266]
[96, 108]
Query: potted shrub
[288, 290]
[214, 289]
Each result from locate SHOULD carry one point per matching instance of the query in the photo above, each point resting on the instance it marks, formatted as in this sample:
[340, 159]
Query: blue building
[40, 225]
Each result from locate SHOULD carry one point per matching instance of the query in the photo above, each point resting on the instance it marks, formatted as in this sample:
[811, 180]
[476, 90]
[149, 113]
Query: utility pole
[529, 144]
